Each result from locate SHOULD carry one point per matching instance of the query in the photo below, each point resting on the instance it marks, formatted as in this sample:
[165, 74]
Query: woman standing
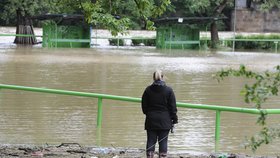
[159, 106]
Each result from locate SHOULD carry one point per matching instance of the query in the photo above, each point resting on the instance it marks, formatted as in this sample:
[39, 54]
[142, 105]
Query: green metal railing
[100, 97]
[223, 40]
[123, 38]
[21, 35]
[275, 41]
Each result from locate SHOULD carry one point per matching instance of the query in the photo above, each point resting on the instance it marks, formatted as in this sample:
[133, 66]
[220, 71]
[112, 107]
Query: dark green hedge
[255, 44]
[146, 42]
[114, 42]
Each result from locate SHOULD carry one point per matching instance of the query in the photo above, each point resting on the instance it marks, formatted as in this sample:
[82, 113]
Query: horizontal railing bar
[73, 93]
[143, 38]
[133, 99]
[228, 108]
[253, 40]
[21, 35]
[249, 40]
[182, 42]
[71, 40]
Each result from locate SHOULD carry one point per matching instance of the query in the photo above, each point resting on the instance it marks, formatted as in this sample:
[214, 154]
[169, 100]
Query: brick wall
[256, 21]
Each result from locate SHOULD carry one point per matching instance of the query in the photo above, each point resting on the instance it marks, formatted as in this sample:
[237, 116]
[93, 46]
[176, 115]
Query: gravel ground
[74, 150]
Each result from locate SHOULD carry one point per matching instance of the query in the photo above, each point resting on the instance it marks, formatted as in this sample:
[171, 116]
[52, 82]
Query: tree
[217, 11]
[201, 8]
[212, 8]
[23, 10]
[113, 15]
[222, 4]
[268, 4]
[118, 15]
[265, 85]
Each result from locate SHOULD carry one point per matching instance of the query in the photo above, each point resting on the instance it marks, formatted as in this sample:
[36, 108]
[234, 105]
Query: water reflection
[35, 118]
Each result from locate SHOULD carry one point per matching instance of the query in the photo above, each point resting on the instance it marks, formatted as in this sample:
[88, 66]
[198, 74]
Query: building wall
[256, 21]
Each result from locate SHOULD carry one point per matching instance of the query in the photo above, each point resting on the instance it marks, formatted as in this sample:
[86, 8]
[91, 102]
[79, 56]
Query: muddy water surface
[37, 118]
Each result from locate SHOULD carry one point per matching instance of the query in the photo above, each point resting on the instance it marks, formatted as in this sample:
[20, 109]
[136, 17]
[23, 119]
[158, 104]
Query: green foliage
[133, 13]
[151, 9]
[197, 7]
[268, 4]
[158, 9]
[151, 42]
[116, 42]
[200, 8]
[266, 85]
[146, 42]
[26, 8]
[137, 42]
[96, 14]
[114, 16]
[265, 136]
[255, 44]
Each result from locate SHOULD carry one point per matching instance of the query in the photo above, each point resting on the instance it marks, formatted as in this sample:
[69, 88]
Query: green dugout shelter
[180, 32]
[61, 30]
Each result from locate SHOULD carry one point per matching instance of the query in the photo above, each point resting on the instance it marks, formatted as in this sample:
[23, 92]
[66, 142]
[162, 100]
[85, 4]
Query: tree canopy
[120, 15]
[268, 4]
[129, 13]
[26, 8]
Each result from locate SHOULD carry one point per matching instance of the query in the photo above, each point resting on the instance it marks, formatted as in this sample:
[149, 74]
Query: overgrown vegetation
[253, 42]
[265, 85]
[134, 42]
[119, 15]
[146, 42]
[151, 42]
[116, 42]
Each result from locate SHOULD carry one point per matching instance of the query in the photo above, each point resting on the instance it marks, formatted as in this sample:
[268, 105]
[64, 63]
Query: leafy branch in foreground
[265, 85]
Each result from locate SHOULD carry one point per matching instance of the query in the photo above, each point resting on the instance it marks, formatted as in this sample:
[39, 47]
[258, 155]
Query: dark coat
[159, 106]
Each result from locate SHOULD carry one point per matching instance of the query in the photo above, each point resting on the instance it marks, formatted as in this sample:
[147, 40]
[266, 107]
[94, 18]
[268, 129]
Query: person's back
[159, 106]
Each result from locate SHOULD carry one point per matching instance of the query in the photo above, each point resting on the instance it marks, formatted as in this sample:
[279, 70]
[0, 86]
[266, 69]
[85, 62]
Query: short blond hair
[158, 75]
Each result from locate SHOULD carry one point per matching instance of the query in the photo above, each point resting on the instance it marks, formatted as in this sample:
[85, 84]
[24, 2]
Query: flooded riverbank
[98, 34]
[35, 118]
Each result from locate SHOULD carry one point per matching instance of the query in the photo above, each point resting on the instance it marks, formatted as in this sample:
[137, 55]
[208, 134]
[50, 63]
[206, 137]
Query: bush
[137, 42]
[151, 42]
[114, 42]
[255, 44]
[146, 42]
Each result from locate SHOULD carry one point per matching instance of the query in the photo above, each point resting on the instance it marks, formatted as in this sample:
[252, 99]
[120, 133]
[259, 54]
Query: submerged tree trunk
[214, 29]
[214, 35]
[24, 26]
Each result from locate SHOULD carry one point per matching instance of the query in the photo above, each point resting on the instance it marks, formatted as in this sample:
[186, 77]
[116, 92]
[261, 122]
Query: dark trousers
[154, 136]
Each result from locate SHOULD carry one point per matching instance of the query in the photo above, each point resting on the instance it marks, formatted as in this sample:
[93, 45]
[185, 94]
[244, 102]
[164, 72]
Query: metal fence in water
[276, 42]
[100, 97]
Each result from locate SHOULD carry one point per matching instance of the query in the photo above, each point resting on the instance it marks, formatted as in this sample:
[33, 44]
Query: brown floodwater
[39, 118]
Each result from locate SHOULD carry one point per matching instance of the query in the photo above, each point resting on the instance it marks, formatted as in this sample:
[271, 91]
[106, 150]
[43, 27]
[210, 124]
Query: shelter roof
[187, 20]
[61, 16]
[68, 19]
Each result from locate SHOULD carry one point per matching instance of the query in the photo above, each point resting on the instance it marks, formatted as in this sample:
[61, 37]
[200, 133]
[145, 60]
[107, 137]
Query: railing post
[98, 136]
[276, 46]
[99, 112]
[217, 130]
